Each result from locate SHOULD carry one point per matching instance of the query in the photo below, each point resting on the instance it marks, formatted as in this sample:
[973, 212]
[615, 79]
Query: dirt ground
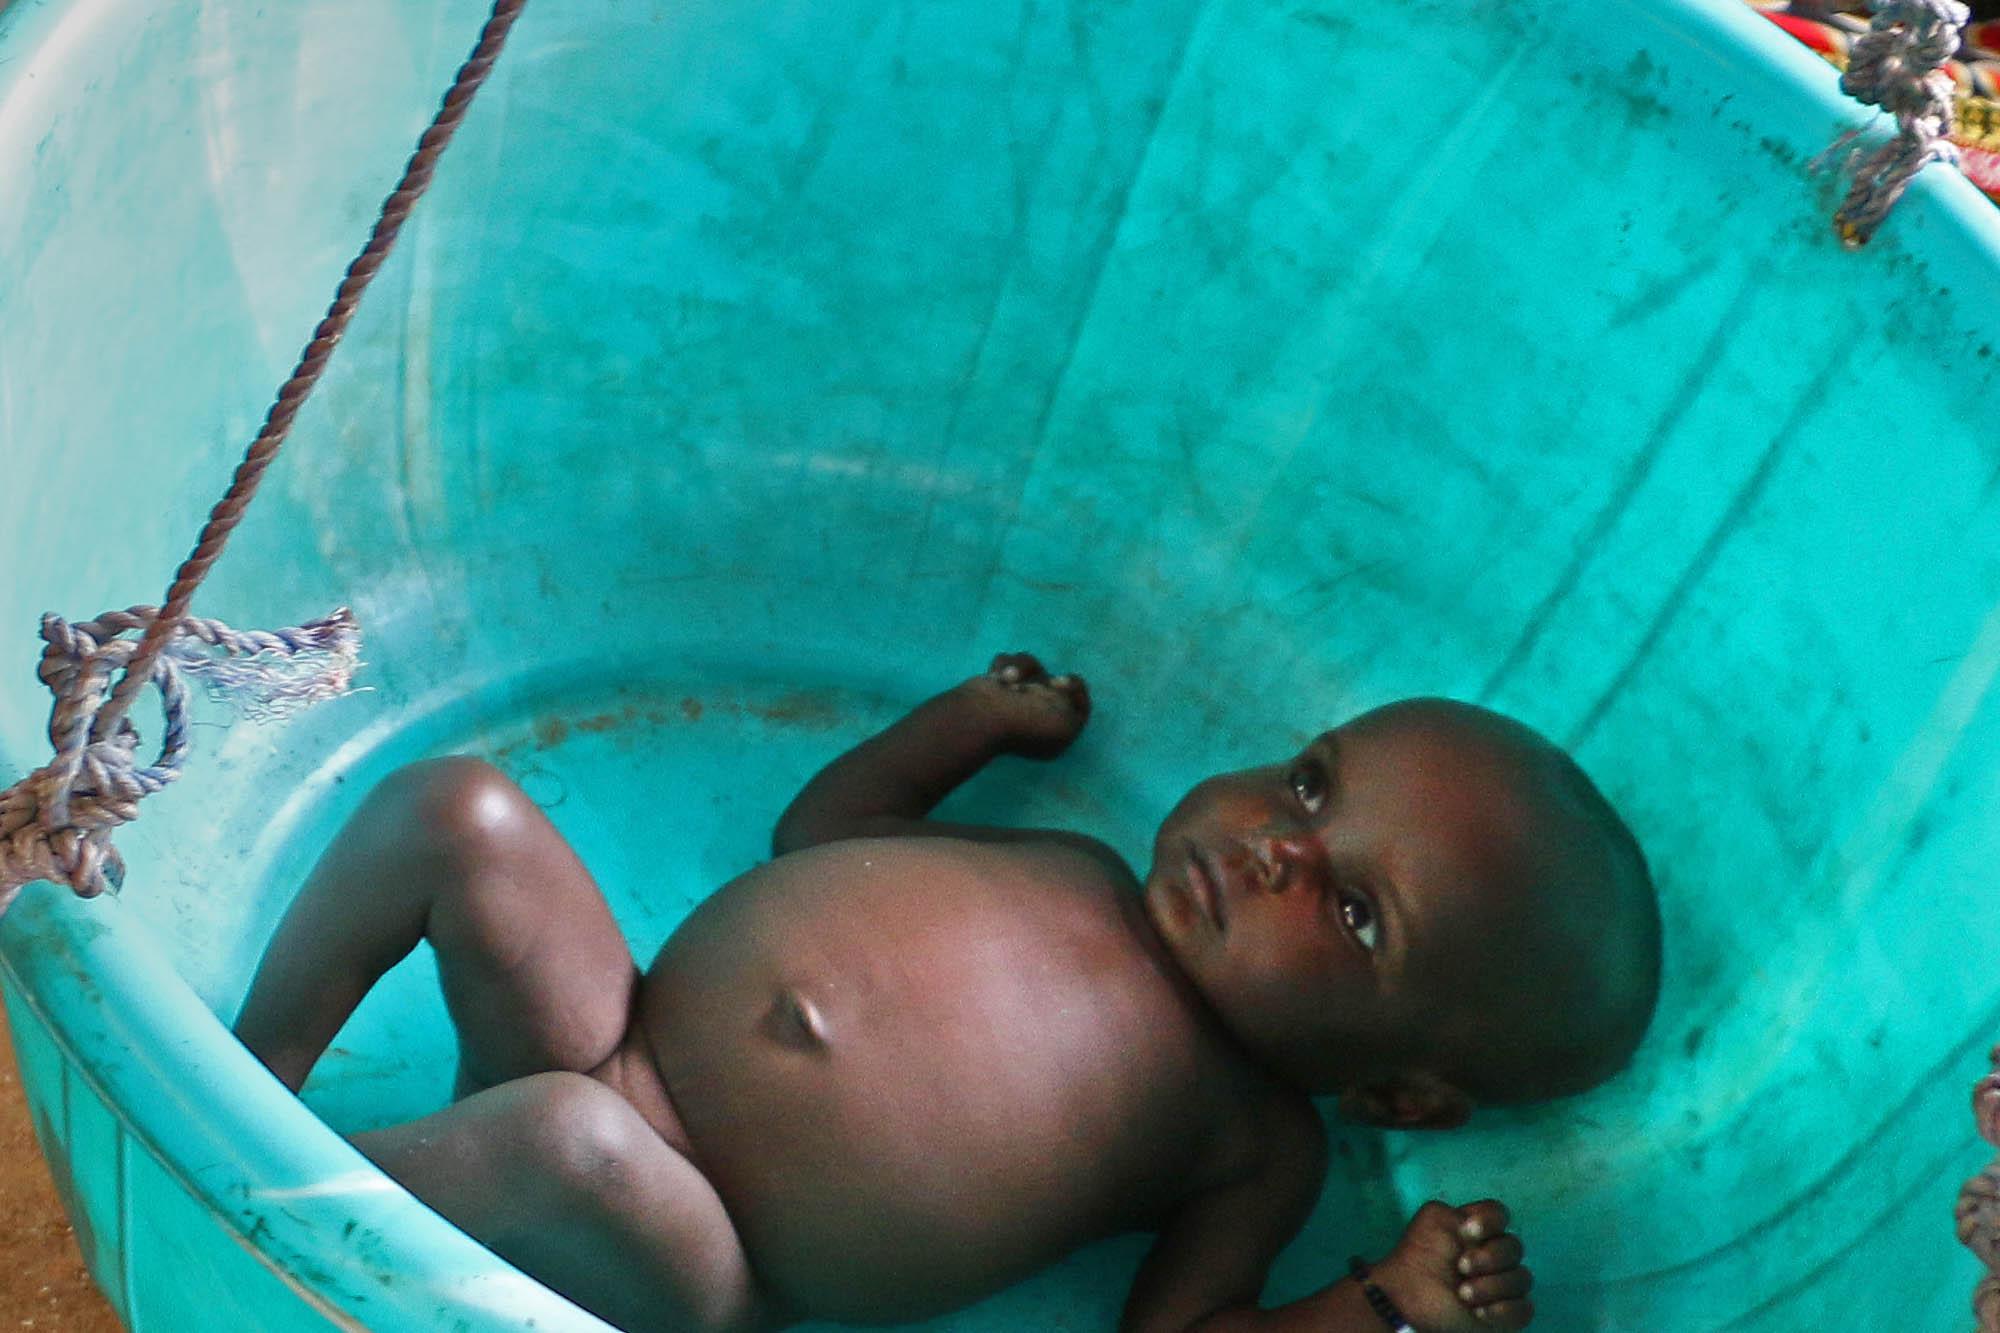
[43, 1285]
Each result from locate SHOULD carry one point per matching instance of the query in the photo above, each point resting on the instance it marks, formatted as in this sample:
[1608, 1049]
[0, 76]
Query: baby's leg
[552, 1169]
[560, 1176]
[535, 972]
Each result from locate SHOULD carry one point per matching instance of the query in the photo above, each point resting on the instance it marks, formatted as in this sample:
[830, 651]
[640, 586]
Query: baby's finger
[1483, 1220]
[1507, 1314]
[1492, 1256]
[1016, 668]
[1075, 691]
[1494, 1288]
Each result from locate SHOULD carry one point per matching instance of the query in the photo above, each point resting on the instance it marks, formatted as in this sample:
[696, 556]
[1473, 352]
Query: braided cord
[228, 511]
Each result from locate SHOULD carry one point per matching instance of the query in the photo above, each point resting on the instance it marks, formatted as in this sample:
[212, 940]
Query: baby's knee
[458, 800]
[586, 1140]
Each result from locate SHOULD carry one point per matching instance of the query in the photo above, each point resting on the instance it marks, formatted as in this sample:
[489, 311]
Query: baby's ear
[1413, 1100]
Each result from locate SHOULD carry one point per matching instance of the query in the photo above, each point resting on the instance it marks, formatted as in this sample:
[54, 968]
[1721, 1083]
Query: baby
[906, 1063]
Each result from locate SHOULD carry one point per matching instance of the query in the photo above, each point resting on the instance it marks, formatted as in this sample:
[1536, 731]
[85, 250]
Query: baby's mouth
[1205, 883]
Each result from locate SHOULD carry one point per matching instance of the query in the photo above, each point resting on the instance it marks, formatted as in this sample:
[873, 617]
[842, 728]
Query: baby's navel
[795, 1021]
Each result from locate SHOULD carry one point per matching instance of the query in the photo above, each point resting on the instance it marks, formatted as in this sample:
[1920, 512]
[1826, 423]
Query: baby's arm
[1456, 1270]
[885, 786]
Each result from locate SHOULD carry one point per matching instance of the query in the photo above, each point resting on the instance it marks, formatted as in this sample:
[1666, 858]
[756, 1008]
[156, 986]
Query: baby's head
[1429, 908]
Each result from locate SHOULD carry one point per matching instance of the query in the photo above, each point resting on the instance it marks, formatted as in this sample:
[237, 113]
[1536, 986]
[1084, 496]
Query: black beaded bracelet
[1378, 1299]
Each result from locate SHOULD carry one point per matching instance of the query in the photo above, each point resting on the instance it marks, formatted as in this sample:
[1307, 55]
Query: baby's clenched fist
[1035, 714]
[1458, 1270]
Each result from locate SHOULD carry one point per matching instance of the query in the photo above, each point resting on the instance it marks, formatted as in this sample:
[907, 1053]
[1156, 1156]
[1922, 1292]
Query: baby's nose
[1292, 860]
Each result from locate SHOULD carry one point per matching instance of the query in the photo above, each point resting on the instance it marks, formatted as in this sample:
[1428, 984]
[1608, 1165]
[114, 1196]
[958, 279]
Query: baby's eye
[1359, 916]
[1308, 783]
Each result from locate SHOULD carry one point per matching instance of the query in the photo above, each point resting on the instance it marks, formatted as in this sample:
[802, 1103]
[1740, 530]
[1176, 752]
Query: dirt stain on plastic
[800, 710]
[808, 710]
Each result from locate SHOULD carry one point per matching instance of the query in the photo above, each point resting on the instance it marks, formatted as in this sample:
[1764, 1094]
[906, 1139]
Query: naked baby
[905, 1063]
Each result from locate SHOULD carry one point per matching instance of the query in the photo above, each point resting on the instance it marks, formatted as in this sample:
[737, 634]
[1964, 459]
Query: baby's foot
[1458, 1270]
[1036, 714]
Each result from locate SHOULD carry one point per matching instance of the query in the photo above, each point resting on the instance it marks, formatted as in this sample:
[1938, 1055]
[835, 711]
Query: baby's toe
[1492, 1256]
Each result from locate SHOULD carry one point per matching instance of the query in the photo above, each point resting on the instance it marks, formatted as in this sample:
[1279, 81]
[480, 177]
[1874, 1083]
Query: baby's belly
[915, 1073]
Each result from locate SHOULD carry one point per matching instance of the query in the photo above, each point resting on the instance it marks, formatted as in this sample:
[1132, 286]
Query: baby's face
[1350, 907]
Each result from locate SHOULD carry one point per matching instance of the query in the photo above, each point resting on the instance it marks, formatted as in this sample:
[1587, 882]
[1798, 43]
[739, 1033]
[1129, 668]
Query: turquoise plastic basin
[754, 370]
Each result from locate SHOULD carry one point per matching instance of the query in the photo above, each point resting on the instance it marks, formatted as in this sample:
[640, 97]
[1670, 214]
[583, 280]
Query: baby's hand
[1035, 714]
[1458, 1270]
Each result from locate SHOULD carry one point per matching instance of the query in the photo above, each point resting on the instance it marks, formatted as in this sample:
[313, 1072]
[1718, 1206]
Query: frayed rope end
[56, 823]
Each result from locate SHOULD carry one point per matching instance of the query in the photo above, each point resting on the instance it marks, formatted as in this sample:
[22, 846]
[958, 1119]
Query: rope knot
[57, 822]
[1894, 65]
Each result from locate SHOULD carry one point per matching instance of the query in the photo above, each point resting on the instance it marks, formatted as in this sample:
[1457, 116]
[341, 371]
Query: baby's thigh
[560, 1176]
[535, 970]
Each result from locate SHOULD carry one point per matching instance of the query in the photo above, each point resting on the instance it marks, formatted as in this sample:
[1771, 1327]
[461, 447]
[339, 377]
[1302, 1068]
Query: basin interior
[752, 372]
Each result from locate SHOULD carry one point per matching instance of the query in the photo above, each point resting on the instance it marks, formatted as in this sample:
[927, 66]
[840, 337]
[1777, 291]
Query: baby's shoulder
[1085, 855]
[1273, 1132]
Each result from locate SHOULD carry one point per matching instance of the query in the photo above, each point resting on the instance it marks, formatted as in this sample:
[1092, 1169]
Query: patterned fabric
[1830, 31]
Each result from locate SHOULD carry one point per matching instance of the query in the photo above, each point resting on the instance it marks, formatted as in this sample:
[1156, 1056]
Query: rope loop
[57, 822]
[1895, 65]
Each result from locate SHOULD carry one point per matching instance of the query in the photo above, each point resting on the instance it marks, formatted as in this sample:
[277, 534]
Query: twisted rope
[1895, 65]
[222, 520]
[56, 823]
